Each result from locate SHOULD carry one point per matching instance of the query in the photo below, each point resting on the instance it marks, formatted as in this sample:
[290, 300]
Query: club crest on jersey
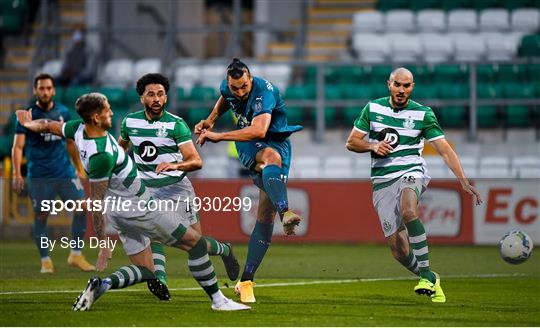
[409, 123]
[162, 131]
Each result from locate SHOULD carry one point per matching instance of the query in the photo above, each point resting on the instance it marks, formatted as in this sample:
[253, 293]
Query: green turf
[480, 288]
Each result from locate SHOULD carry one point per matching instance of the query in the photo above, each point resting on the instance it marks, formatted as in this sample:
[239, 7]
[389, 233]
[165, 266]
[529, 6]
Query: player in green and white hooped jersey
[164, 153]
[395, 127]
[112, 174]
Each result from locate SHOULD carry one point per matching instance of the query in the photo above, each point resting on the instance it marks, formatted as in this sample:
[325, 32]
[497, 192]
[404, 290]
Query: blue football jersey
[46, 154]
[264, 98]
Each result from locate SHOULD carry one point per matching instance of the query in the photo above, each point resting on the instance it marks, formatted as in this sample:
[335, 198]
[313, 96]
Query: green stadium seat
[517, 116]
[345, 74]
[421, 74]
[518, 90]
[350, 114]
[486, 73]
[449, 73]
[59, 93]
[417, 5]
[132, 98]
[310, 74]
[116, 96]
[6, 142]
[484, 4]
[530, 46]
[486, 116]
[511, 5]
[332, 92]
[453, 116]
[380, 73]
[180, 94]
[356, 91]
[196, 114]
[378, 90]
[299, 92]
[329, 116]
[385, 5]
[488, 91]
[295, 115]
[203, 93]
[533, 72]
[453, 90]
[448, 5]
[512, 73]
[74, 92]
[425, 91]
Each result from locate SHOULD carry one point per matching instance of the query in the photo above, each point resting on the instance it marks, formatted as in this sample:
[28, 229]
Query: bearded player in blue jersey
[50, 172]
[263, 145]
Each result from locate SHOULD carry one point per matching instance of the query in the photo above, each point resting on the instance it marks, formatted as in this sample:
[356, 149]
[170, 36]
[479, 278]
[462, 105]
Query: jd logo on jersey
[389, 135]
[148, 151]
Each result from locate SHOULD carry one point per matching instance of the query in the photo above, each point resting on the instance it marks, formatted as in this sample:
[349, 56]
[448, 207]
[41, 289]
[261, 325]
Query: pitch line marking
[284, 284]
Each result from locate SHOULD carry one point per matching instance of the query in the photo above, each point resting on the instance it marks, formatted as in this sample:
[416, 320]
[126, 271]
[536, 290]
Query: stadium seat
[494, 167]
[517, 116]
[277, 74]
[195, 114]
[494, 20]
[405, 47]
[449, 5]
[299, 92]
[453, 116]
[329, 116]
[530, 46]
[436, 47]
[295, 115]
[117, 73]
[187, 76]
[525, 167]
[431, 20]
[338, 167]
[180, 94]
[356, 91]
[421, 73]
[371, 48]
[469, 47]
[486, 4]
[486, 116]
[116, 96]
[462, 20]
[500, 46]
[367, 22]
[146, 65]
[310, 166]
[346, 74]
[425, 91]
[419, 5]
[488, 90]
[533, 72]
[52, 67]
[203, 93]
[486, 73]
[525, 20]
[380, 73]
[350, 114]
[215, 167]
[132, 98]
[212, 75]
[436, 167]
[519, 90]
[74, 92]
[449, 73]
[332, 92]
[452, 90]
[399, 20]
[508, 73]
[385, 5]
[470, 166]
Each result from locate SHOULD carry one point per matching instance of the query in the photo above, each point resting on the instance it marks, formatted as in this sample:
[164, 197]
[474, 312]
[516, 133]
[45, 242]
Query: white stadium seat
[436, 47]
[500, 46]
[187, 76]
[494, 20]
[405, 47]
[52, 67]
[399, 20]
[212, 75]
[278, 74]
[371, 48]
[470, 166]
[494, 167]
[117, 73]
[362, 166]
[307, 167]
[468, 47]
[525, 20]
[526, 167]
[462, 20]
[338, 167]
[436, 167]
[366, 22]
[431, 20]
[145, 66]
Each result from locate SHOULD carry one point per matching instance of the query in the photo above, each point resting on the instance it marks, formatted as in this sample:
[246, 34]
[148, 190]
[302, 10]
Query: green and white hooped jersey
[104, 160]
[405, 130]
[155, 142]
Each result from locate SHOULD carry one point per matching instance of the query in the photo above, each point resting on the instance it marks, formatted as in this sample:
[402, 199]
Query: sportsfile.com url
[118, 204]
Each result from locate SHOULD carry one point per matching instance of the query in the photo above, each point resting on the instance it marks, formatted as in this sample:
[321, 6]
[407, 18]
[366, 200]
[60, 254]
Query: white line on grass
[285, 284]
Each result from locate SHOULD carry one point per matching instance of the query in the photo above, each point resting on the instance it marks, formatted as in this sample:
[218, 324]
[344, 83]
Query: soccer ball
[515, 247]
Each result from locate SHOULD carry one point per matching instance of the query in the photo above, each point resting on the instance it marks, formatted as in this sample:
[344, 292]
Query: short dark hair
[89, 104]
[152, 78]
[43, 76]
[237, 68]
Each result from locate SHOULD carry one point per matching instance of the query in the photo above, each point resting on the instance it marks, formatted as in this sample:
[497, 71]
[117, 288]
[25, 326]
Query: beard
[44, 102]
[400, 102]
[154, 112]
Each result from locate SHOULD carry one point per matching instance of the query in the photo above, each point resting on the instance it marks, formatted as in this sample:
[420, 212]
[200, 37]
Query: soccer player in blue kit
[263, 145]
[50, 172]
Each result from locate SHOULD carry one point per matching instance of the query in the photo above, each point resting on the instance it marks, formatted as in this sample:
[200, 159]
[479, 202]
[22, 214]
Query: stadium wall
[342, 211]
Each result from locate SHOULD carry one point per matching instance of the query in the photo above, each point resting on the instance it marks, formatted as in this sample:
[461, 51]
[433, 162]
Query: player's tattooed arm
[124, 143]
[219, 108]
[257, 130]
[42, 125]
[98, 190]
[452, 161]
[357, 144]
[191, 161]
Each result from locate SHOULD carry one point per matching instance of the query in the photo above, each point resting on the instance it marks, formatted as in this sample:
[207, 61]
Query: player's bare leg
[269, 164]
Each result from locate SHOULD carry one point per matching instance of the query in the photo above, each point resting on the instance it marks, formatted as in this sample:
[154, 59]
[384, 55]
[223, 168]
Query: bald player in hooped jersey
[113, 174]
[395, 127]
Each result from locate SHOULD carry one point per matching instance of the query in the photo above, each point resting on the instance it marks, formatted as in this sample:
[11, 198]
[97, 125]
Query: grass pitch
[298, 285]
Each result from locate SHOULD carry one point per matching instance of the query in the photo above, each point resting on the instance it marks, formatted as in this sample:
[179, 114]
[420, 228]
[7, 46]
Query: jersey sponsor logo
[408, 123]
[148, 151]
[379, 118]
[162, 131]
[389, 135]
